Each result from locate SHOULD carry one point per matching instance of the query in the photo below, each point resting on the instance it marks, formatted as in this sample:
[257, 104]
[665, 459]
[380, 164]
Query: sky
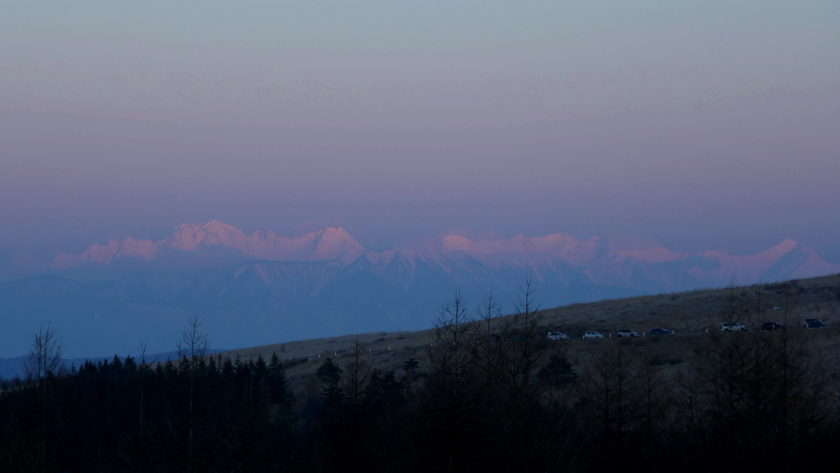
[697, 125]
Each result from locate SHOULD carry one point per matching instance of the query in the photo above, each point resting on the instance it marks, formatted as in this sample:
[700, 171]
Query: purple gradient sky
[699, 125]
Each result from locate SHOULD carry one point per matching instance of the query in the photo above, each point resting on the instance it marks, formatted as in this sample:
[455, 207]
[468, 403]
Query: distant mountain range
[265, 288]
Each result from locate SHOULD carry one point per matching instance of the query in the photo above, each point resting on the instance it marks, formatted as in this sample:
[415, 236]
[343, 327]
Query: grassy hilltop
[689, 314]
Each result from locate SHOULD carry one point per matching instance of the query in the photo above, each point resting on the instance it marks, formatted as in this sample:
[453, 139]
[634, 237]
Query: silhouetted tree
[557, 372]
[43, 367]
[192, 347]
[329, 374]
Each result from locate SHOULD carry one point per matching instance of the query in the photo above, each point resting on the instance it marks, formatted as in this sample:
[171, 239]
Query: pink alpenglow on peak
[189, 236]
[334, 243]
[323, 245]
[144, 249]
[788, 259]
[605, 265]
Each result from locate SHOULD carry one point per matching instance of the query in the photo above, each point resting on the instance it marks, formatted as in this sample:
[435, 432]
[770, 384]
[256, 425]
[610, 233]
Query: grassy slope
[687, 313]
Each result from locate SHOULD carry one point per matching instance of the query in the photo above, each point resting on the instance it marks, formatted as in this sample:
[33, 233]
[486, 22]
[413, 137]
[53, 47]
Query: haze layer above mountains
[265, 288]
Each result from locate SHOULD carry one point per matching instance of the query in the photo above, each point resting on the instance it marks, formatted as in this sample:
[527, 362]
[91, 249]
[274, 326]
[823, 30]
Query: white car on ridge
[733, 327]
[592, 335]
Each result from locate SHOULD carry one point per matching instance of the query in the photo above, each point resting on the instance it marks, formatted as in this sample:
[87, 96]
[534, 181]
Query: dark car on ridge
[770, 326]
[661, 331]
[814, 323]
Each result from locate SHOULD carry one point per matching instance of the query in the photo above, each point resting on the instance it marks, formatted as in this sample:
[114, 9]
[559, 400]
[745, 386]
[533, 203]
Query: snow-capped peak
[327, 244]
[333, 243]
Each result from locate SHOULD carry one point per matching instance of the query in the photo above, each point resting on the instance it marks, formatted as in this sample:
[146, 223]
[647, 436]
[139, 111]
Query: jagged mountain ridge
[267, 288]
[601, 264]
[659, 273]
[327, 244]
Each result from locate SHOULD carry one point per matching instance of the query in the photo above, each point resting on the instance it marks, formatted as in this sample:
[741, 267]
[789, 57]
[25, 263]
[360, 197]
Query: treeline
[203, 414]
[491, 394]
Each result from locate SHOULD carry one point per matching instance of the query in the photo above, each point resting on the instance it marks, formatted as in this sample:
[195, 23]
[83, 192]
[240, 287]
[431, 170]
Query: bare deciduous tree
[523, 336]
[192, 347]
[453, 398]
[356, 374]
[45, 356]
[611, 385]
[451, 352]
[44, 366]
[732, 309]
[143, 370]
[489, 310]
[193, 343]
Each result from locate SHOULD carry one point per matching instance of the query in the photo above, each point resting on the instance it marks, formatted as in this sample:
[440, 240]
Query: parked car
[627, 333]
[814, 323]
[557, 336]
[770, 326]
[733, 327]
[661, 331]
[592, 335]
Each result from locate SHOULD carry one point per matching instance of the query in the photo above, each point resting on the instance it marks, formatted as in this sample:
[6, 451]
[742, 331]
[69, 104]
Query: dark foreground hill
[473, 394]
